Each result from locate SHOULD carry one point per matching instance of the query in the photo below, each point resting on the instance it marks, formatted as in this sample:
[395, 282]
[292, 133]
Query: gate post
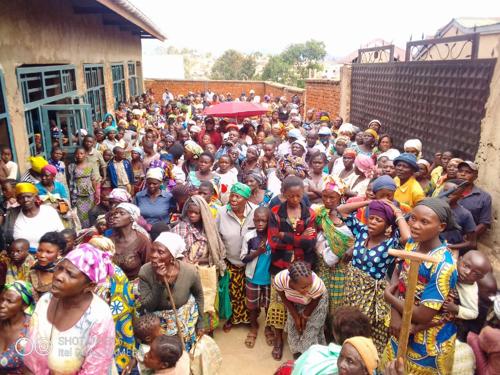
[345, 92]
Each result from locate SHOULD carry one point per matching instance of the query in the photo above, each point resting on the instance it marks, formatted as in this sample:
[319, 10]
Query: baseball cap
[469, 164]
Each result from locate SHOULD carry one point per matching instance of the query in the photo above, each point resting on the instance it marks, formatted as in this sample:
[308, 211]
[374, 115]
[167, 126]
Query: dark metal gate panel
[440, 102]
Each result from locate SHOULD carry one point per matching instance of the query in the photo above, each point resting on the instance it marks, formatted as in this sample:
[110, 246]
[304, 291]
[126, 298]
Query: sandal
[250, 340]
[277, 352]
[268, 332]
[227, 326]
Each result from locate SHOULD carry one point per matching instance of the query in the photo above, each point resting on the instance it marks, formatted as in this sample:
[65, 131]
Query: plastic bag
[225, 308]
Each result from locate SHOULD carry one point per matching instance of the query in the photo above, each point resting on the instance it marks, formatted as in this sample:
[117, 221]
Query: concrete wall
[488, 158]
[345, 92]
[261, 88]
[49, 32]
[324, 95]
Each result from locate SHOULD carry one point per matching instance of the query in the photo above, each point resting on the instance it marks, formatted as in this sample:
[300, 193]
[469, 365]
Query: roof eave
[134, 15]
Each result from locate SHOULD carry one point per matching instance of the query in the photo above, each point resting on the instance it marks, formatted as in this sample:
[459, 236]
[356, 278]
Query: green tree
[233, 65]
[292, 66]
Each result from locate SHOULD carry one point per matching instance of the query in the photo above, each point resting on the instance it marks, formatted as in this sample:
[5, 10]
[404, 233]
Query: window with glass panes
[118, 77]
[5, 129]
[132, 79]
[95, 95]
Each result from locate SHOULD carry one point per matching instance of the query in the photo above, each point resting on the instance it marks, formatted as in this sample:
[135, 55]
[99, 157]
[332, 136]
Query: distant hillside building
[64, 64]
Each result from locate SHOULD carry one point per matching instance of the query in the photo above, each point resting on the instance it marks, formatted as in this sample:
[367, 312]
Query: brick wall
[261, 88]
[323, 94]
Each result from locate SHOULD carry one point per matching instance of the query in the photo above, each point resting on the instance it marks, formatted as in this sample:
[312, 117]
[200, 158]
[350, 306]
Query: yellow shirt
[410, 193]
[436, 174]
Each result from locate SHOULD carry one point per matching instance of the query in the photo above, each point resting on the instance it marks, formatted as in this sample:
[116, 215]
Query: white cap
[324, 130]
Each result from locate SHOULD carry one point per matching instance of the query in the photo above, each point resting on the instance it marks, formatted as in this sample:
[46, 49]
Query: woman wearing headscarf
[16, 308]
[33, 174]
[334, 239]
[449, 174]
[255, 180]
[204, 246]
[365, 277]
[30, 220]
[118, 294]
[184, 283]
[98, 229]
[413, 146]
[364, 170]
[251, 159]
[192, 152]
[370, 139]
[431, 350]
[71, 319]
[137, 156]
[423, 176]
[154, 202]
[233, 222]
[131, 241]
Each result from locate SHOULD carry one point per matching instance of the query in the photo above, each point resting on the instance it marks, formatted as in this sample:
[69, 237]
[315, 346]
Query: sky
[269, 26]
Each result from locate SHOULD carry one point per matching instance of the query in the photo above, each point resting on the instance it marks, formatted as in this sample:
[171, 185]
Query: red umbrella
[235, 109]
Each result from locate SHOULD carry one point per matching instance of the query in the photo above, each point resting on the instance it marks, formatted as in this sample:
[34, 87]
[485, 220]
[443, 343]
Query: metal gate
[441, 102]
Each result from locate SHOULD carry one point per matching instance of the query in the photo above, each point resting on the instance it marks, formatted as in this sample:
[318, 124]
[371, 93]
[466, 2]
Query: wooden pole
[416, 259]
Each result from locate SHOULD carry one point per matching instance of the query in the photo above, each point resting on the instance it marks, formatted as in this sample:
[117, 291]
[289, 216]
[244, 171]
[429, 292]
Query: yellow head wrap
[373, 133]
[37, 163]
[26, 187]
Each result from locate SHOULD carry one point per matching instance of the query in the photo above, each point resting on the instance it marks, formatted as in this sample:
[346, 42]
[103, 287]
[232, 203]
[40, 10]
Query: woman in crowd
[131, 241]
[33, 174]
[203, 171]
[153, 202]
[192, 152]
[204, 246]
[118, 294]
[56, 157]
[423, 176]
[334, 240]
[48, 186]
[233, 222]
[315, 181]
[255, 180]
[291, 236]
[184, 283]
[84, 186]
[72, 320]
[30, 220]
[385, 148]
[365, 277]
[346, 173]
[450, 173]
[251, 160]
[306, 299]
[364, 170]
[16, 307]
[430, 351]
[137, 156]
[413, 146]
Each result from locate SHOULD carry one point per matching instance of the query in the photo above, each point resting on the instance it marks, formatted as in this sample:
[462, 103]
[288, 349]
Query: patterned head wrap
[101, 219]
[132, 209]
[94, 263]
[103, 243]
[26, 187]
[342, 139]
[365, 164]
[333, 183]
[350, 152]
[193, 147]
[173, 242]
[109, 129]
[256, 175]
[155, 174]
[241, 189]
[51, 169]
[120, 195]
[25, 290]
[291, 163]
[37, 163]
[347, 128]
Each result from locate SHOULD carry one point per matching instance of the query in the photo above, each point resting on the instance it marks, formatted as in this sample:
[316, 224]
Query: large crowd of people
[124, 255]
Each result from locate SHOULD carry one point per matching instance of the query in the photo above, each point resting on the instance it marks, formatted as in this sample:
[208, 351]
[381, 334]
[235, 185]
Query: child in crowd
[167, 356]
[146, 329]
[70, 237]
[207, 191]
[306, 299]
[228, 176]
[9, 194]
[256, 254]
[313, 184]
[16, 262]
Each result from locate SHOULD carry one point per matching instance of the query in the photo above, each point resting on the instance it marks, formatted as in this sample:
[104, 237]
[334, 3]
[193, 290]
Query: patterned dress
[339, 240]
[365, 279]
[11, 360]
[82, 190]
[430, 351]
[117, 292]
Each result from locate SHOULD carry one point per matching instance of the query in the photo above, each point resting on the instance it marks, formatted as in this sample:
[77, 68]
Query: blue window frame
[96, 93]
[118, 76]
[6, 138]
[42, 85]
[133, 86]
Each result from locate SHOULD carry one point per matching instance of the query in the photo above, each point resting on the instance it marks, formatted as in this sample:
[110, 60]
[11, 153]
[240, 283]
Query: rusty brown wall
[49, 32]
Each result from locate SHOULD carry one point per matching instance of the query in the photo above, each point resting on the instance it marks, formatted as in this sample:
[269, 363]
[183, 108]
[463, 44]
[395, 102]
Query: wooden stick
[413, 255]
[404, 333]
[179, 328]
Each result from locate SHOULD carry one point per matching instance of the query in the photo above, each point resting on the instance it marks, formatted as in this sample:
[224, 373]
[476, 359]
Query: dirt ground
[237, 359]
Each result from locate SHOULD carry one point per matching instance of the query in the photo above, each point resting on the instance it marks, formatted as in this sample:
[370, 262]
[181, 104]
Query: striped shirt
[282, 281]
